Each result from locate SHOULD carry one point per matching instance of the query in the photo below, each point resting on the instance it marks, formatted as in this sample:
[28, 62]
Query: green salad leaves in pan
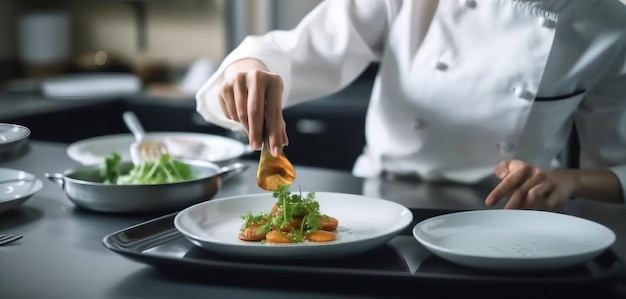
[164, 170]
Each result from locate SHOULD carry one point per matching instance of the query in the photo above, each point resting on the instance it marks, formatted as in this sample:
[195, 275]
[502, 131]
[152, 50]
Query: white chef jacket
[462, 85]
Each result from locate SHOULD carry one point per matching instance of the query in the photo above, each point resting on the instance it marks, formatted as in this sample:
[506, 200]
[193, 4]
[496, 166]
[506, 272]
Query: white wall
[177, 31]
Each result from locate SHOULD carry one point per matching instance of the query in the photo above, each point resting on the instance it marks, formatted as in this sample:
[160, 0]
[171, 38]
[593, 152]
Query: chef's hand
[531, 187]
[251, 95]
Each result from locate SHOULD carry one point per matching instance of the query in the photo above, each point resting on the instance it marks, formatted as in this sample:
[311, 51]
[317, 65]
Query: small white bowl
[22, 186]
[13, 140]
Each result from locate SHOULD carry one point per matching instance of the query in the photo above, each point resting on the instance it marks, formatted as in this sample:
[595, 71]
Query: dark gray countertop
[62, 255]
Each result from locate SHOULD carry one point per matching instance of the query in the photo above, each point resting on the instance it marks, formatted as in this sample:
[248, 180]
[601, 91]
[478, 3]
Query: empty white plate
[14, 193]
[513, 239]
[364, 223]
[213, 148]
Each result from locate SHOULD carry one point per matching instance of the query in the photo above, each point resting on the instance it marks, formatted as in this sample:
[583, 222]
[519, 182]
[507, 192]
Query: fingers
[227, 101]
[520, 198]
[274, 117]
[256, 110]
[285, 138]
[254, 98]
[552, 200]
[538, 195]
[502, 169]
[529, 187]
[240, 93]
[512, 181]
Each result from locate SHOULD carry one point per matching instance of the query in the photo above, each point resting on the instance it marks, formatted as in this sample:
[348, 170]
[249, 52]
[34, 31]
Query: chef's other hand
[530, 187]
[251, 95]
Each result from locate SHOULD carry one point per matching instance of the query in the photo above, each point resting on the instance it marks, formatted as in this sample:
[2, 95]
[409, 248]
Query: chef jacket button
[419, 124]
[441, 66]
[505, 147]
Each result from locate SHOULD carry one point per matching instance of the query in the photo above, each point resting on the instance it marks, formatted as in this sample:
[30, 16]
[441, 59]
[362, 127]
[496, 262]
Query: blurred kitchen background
[63, 62]
[157, 40]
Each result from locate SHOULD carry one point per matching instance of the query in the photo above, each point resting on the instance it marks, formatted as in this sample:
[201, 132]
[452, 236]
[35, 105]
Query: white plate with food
[182, 145]
[363, 223]
[16, 187]
[513, 240]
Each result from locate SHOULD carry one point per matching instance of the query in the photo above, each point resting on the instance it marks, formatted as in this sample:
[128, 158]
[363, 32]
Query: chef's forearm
[597, 185]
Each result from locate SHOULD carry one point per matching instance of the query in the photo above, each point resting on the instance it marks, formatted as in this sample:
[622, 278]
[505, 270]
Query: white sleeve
[601, 122]
[328, 49]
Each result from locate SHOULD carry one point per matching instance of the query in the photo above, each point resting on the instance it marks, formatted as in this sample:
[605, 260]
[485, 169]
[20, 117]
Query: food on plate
[293, 219]
[164, 170]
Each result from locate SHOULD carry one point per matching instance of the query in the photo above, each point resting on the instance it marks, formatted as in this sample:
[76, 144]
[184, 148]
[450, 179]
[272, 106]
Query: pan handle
[230, 170]
[56, 178]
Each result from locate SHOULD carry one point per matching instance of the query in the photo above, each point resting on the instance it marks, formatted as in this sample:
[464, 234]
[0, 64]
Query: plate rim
[441, 249]
[401, 226]
[25, 129]
[37, 185]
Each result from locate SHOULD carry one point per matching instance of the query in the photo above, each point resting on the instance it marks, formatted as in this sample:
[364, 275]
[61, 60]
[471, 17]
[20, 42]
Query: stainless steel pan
[84, 187]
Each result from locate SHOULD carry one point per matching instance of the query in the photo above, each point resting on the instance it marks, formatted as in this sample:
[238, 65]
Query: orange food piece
[277, 237]
[329, 223]
[295, 223]
[326, 233]
[275, 210]
[321, 236]
[251, 233]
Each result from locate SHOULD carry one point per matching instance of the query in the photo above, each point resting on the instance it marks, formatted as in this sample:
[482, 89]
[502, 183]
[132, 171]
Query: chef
[465, 89]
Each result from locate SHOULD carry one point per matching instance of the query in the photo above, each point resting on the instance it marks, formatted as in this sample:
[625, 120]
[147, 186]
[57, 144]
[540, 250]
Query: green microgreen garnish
[290, 205]
[250, 219]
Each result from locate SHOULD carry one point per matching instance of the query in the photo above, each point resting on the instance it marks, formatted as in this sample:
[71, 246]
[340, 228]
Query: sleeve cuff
[207, 98]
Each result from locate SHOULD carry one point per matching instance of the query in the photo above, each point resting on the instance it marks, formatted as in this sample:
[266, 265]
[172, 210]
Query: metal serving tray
[402, 262]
